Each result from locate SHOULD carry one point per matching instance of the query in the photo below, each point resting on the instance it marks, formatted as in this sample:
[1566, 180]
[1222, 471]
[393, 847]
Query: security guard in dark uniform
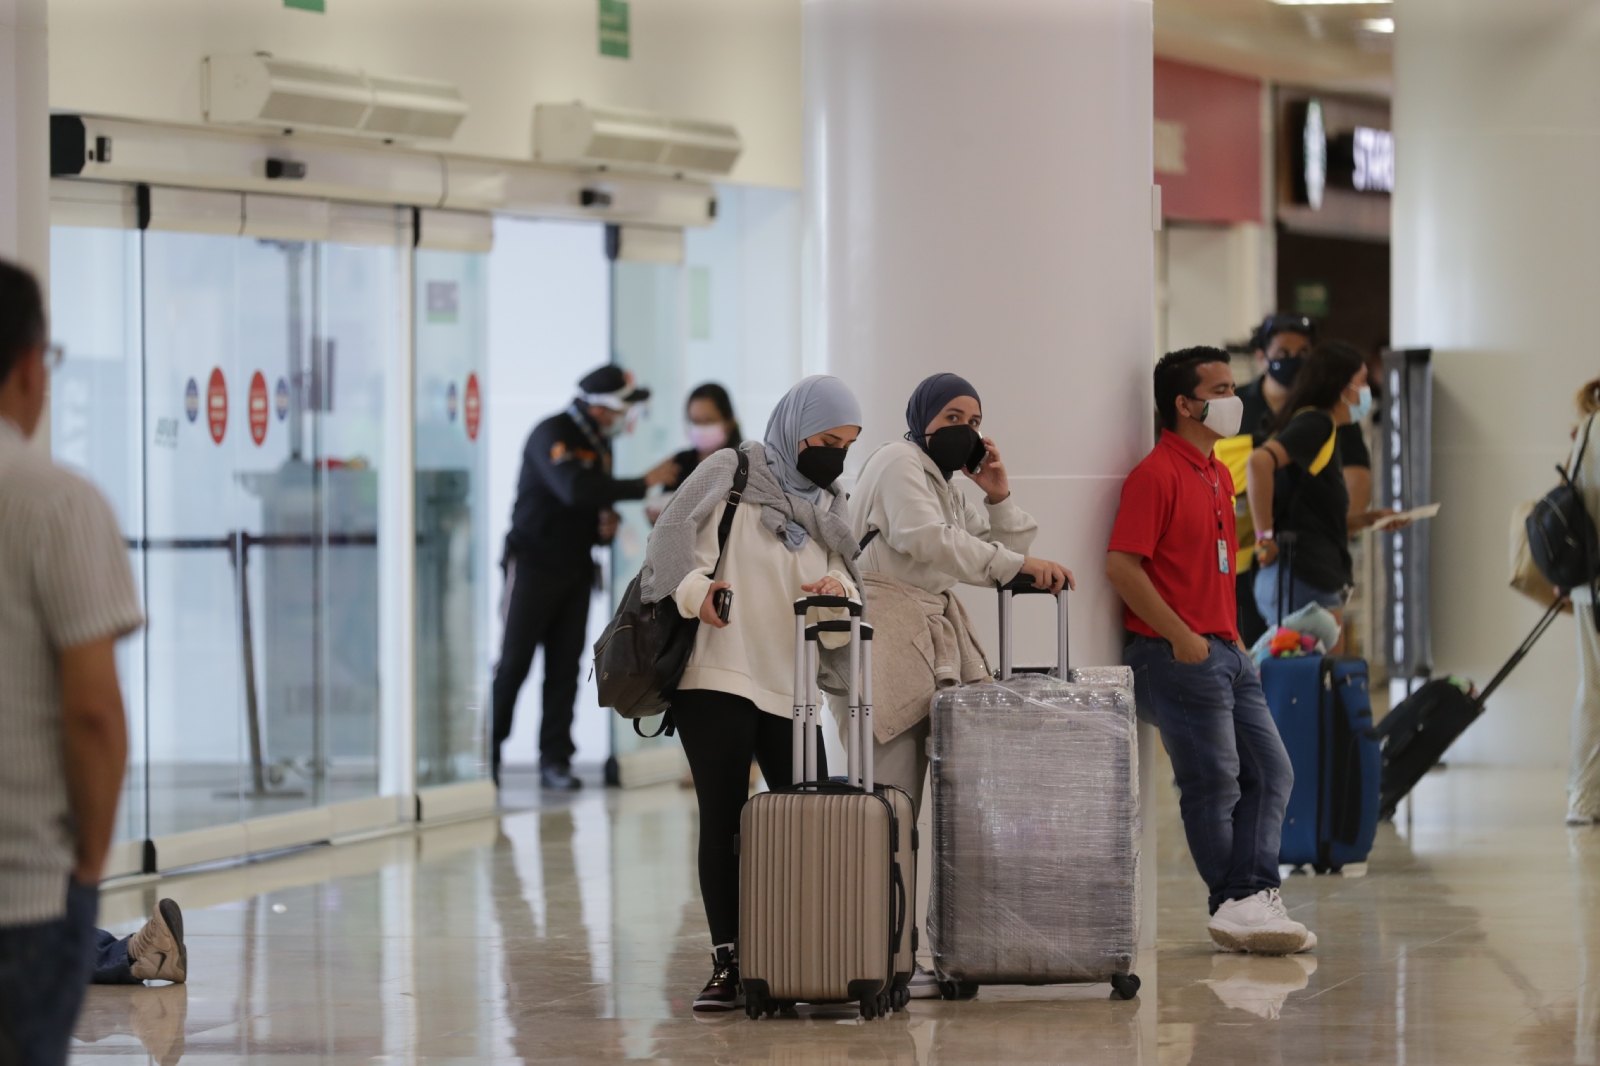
[563, 509]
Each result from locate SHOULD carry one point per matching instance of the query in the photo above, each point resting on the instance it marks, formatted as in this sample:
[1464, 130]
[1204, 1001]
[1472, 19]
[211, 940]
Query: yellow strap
[1325, 455]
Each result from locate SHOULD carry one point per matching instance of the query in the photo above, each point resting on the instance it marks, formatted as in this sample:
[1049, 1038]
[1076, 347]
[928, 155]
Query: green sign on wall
[320, 6]
[614, 38]
[1311, 299]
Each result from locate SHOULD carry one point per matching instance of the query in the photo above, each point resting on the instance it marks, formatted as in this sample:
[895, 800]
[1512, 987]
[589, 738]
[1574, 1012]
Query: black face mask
[820, 465]
[954, 447]
[1285, 369]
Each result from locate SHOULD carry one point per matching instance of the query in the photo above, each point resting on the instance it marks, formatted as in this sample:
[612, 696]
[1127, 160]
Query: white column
[1496, 267]
[978, 195]
[25, 134]
[25, 145]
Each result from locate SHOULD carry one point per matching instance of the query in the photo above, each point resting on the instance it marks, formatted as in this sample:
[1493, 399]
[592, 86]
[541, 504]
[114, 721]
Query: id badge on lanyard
[1222, 556]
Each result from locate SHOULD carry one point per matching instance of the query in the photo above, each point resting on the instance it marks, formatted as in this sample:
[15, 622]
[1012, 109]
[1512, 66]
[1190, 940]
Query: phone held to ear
[975, 460]
[722, 603]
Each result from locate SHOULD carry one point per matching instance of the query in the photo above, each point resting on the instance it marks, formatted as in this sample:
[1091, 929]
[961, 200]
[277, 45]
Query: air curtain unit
[263, 90]
[584, 135]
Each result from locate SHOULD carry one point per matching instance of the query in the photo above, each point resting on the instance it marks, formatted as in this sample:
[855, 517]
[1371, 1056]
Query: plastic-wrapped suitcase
[1036, 825]
[826, 867]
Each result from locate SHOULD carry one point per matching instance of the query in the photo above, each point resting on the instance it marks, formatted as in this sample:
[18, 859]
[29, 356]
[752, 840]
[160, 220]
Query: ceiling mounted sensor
[612, 137]
[285, 94]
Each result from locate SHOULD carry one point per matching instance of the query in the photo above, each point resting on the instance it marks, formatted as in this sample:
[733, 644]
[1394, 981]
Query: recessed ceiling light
[1327, 3]
[1378, 25]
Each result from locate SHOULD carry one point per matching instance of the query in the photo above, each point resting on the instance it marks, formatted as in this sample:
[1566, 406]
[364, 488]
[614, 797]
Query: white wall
[979, 201]
[549, 324]
[734, 60]
[1496, 232]
[1212, 285]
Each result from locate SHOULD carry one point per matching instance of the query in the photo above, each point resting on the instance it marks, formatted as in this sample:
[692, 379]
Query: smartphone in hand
[722, 603]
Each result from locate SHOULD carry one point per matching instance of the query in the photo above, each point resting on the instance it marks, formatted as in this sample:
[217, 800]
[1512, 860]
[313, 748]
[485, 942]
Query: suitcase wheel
[953, 989]
[1124, 987]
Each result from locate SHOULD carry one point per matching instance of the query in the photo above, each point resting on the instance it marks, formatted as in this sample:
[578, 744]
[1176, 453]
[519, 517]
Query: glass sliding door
[453, 573]
[96, 428]
[268, 357]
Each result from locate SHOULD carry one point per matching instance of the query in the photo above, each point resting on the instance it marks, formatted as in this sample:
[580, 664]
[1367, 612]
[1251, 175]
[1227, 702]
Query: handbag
[641, 656]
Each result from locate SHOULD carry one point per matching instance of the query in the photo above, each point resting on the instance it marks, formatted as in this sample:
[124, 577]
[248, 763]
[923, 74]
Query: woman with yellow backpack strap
[1297, 486]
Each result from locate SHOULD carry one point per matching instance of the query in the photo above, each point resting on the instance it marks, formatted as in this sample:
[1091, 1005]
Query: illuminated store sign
[1373, 159]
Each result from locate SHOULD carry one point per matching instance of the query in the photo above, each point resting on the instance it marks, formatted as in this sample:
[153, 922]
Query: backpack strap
[741, 478]
[1577, 463]
[1325, 453]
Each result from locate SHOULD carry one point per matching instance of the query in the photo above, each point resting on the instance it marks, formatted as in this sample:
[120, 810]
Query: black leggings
[721, 732]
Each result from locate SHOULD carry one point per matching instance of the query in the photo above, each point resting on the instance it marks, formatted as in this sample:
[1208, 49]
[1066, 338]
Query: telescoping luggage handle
[1022, 584]
[807, 700]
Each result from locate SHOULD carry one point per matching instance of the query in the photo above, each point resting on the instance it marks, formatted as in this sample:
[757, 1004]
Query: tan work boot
[157, 951]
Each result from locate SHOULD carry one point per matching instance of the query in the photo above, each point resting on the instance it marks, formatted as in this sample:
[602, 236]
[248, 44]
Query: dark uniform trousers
[549, 608]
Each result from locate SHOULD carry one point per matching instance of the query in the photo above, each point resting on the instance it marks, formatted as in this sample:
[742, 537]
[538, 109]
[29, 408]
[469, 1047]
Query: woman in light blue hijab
[820, 407]
[789, 536]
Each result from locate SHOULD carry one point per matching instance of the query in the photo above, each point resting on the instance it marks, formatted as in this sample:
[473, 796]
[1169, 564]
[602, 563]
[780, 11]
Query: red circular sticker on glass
[260, 408]
[217, 405]
[472, 407]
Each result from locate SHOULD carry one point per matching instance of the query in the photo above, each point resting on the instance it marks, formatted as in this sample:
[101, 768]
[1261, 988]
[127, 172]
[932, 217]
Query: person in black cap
[563, 509]
[1279, 343]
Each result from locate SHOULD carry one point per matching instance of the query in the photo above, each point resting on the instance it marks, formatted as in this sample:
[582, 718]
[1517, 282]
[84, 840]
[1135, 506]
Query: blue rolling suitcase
[1322, 710]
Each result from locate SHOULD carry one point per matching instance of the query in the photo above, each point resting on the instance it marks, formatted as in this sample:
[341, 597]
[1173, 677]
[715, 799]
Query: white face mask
[707, 439]
[1223, 416]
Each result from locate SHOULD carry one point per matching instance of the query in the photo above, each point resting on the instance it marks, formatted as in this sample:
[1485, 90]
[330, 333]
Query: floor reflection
[573, 932]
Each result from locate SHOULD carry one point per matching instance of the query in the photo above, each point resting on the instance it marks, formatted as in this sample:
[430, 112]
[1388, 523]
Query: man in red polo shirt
[1171, 559]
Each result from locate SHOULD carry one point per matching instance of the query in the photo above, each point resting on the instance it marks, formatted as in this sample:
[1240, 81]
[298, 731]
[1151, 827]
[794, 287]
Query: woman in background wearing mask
[712, 427]
[1297, 485]
[922, 536]
[790, 537]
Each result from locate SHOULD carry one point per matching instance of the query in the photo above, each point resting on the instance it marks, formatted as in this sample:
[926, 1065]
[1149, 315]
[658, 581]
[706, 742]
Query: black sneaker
[559, 778]
[723, 991]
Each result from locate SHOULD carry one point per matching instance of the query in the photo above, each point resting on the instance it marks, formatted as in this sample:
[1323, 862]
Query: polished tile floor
[572, 933]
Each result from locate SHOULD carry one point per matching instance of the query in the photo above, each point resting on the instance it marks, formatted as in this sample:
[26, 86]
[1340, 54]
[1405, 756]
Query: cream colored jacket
[753, 656]
[929, 534]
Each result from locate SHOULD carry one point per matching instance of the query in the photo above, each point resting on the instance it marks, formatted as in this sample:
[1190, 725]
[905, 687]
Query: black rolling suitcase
[1416, 733]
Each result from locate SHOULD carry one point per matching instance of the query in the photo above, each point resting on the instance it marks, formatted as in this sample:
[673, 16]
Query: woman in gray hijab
[790, 536]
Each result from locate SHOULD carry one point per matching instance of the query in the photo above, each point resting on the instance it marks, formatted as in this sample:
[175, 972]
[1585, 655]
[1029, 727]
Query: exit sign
[614, 36]
[319, 6]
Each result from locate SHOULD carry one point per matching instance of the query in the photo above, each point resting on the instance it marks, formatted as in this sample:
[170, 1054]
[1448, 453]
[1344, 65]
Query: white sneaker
[1259, 924]
[924, 983]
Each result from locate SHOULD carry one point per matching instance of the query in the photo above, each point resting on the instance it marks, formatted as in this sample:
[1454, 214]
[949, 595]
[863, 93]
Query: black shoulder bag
[641, 656]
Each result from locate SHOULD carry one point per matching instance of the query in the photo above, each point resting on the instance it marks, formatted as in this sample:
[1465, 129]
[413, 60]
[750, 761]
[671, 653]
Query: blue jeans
[1296, 592]
[1233, 773]
[111, 963]
[44, 970]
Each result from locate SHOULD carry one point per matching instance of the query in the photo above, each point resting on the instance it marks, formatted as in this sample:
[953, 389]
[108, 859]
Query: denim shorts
[1295, 591]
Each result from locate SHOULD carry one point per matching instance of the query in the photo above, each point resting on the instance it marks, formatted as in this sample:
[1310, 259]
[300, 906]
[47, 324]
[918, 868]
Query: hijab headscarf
[929, 398]
[816, 403]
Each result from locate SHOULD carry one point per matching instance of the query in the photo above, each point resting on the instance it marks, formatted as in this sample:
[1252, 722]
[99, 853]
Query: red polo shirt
[1176, 505]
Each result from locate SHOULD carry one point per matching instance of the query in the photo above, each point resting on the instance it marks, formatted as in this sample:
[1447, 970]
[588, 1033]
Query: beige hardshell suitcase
[826, 867]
